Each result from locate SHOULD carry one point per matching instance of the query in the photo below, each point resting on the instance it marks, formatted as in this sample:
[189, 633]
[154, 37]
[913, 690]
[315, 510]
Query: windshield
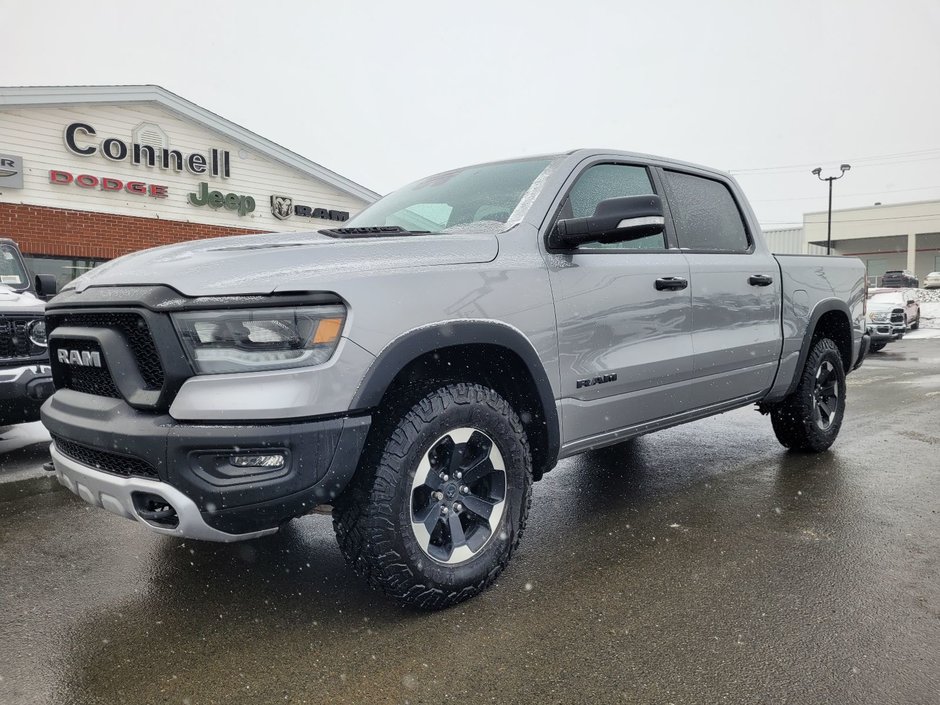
[488, 197]
[12, 272]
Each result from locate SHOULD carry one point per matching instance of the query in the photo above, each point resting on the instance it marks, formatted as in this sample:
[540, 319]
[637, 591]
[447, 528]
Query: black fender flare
[823, 307]
[420, 341]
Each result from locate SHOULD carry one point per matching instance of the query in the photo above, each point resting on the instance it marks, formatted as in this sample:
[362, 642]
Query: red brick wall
[69, 233]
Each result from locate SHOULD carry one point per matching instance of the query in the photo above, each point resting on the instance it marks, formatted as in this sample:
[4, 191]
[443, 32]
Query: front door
[735, 288]
[625, 346]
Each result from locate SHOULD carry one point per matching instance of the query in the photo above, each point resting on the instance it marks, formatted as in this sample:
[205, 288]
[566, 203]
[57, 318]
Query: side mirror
[614, 220]
[46, 286]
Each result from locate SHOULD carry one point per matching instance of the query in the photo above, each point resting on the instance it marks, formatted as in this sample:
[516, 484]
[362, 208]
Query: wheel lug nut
[458, 507]
[458, 475]
[443, 510]
[445, 478]
[464, 489]
[438, 495]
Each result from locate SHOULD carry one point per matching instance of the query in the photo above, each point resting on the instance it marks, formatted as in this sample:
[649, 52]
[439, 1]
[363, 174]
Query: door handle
[760, 280]
[671, 283]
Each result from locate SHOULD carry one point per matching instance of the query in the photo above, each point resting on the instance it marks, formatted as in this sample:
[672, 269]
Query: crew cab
[420, 367]
[25, 376]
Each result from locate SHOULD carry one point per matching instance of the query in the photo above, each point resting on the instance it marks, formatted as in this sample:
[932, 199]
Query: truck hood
[263, 264]
[15, 302]
[881, 307]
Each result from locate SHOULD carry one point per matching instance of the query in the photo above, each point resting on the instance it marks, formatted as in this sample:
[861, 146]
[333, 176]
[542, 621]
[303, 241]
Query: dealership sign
[283, 207]
[107, 183]
[82, 139]
[214, 199]
[11, 171]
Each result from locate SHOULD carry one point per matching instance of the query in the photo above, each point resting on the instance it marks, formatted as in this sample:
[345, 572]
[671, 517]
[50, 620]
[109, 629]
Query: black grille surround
[89, 380]
[106, 461]
[15, 345]
[132, 326]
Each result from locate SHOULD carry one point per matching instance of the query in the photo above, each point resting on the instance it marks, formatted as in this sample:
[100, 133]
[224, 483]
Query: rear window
[705, 214]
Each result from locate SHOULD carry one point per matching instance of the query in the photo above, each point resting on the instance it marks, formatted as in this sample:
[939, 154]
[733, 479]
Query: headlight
[876, 316]
[259, 339]
[37, 333]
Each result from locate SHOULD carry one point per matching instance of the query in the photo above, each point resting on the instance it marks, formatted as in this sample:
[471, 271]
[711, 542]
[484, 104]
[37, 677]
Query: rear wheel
[810, 418]
[439, 505]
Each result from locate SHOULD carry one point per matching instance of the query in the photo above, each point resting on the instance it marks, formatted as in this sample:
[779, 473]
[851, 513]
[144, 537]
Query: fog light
[275, 460]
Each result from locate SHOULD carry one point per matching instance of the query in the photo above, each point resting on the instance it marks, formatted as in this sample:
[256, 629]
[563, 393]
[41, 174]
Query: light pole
[817, 171]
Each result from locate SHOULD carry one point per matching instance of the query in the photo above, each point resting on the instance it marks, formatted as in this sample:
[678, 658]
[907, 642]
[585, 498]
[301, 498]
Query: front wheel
[875, 347]
[916, 324]
[439, 504]
[809, 419]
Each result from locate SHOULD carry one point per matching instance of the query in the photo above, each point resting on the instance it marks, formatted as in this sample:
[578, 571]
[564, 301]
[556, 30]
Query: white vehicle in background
[25, 375]
[891, 313]
[932, 281]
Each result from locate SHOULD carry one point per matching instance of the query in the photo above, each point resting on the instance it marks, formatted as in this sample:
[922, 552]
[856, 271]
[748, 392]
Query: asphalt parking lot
[698, 565]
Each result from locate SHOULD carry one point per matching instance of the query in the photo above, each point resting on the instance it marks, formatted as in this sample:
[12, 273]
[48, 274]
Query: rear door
[735, 288]
[625, 347]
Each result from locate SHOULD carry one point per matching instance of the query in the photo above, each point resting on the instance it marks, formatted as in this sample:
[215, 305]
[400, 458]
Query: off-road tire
[793, 418]
[875, 347]
[372, 518]
[916, 324]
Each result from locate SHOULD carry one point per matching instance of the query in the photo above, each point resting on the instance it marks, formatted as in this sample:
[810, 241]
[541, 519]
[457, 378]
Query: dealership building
[885, 236]
[91, 173]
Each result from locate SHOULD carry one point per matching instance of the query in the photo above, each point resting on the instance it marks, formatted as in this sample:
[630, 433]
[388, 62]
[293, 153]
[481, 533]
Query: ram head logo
[282, 207]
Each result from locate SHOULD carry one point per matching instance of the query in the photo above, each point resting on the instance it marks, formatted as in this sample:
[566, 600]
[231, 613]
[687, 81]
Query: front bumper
[885, 331]
[188, 465]
[22, 392]
[116, 494]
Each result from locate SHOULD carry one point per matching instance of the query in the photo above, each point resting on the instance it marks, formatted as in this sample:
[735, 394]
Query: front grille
[14, 338]
[90, 380]
[133, 327]
[113, 463]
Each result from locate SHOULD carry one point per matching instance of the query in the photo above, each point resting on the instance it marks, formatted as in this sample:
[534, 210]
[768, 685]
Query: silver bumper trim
[12, 374]
[113, 493]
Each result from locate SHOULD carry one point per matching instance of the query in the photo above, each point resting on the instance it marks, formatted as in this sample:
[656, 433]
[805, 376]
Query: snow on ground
[930, 313]
[923, 333]
[929, 300]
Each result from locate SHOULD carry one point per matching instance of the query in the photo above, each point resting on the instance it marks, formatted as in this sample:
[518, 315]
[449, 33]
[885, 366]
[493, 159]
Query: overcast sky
[386, 92]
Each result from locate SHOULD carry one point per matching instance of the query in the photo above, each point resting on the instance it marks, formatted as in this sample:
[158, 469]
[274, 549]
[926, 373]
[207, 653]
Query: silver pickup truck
[419, 367]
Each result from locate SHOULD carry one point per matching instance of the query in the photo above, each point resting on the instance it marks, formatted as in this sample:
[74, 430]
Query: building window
[64, 269]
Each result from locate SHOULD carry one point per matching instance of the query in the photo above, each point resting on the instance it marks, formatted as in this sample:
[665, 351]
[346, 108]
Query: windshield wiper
[372, 231]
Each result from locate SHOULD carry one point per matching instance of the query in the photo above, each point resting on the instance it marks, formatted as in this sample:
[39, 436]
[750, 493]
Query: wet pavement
[698, 565]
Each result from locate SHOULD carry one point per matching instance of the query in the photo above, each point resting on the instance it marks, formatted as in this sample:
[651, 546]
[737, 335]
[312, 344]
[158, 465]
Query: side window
[603, 181]
[705, 214]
